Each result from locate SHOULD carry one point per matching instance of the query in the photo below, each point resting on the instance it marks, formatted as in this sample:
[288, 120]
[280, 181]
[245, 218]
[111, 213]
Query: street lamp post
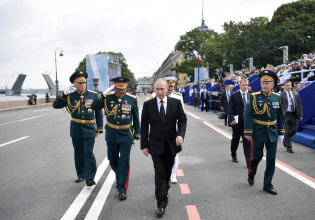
[61, 54]
[197, 44]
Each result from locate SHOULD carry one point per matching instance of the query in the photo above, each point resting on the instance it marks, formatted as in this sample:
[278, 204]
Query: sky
[145, 31]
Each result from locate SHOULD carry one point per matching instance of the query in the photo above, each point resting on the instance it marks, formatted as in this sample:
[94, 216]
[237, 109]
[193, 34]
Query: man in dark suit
[204, 98]
[292, 110]
[163, 115]
[236, 110]
[225, 101]
[196, 97]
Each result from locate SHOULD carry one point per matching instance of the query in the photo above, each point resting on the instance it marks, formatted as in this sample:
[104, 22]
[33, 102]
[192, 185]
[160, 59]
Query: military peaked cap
[120, 82]
[268, 76]
[79, 76]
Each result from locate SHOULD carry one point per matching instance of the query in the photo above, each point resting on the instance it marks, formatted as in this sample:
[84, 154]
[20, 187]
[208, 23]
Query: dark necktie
[228, 96]
[291, 103]
[162, 111]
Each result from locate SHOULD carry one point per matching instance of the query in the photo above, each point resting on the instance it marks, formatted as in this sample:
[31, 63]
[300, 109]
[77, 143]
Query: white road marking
[40, 110]
[281, 165]
[80, 200]
[10, 142]
[100, 200]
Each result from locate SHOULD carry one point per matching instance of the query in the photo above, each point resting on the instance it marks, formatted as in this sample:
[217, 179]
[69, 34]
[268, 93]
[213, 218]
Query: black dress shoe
[79, 180]
[289, 150]
[90, 183]
[251, 181]
[234, 159]
[160, 212]
[122, 196]
[271, 191]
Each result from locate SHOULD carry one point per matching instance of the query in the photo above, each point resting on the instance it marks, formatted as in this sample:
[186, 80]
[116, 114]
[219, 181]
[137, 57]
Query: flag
[197, 55]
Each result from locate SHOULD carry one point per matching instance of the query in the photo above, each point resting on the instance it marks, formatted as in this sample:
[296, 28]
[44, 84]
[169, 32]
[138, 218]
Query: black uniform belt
[83, 121]
[290, 112]
[118, 126]
[265, 122]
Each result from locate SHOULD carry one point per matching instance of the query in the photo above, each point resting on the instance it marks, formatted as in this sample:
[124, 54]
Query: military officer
[264, 126]
[122, 128]
[85, 125]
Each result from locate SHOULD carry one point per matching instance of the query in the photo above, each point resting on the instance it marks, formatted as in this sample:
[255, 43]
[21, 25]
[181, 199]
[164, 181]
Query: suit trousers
[290, 128]
[120, 164]
[162, 169]
[204, 103]
[84, 158]
[256, 156]
[238, 131]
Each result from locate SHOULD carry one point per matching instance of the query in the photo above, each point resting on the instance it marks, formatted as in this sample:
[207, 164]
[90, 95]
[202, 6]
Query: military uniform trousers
[162, 169]
[256, 156]
[120, 163]
[84, 158]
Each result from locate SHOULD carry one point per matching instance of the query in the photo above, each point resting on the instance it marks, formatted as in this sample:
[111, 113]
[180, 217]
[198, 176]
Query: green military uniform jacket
[122, 117]
[84, 118]
[264, 117]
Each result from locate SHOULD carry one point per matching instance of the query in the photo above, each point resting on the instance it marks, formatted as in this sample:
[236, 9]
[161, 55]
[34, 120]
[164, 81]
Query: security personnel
[82, 127]
[264, 126]
[122, 128]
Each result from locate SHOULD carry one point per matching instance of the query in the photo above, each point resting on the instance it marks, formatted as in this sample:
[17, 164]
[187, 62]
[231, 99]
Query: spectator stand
[306, 127]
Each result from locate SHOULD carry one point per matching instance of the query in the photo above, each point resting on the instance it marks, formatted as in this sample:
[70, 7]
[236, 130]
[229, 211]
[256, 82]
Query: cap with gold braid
[120, 82]
[79, 76]
[170, 80]
[268, 76]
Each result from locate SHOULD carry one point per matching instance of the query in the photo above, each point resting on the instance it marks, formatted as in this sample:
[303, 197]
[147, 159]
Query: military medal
[89, 110]
[119, 100]
[260, 104]
[128, 117]
[123, 117]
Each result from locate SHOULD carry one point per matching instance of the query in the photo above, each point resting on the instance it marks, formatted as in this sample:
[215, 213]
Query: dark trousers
[290, 128]
[238, 131]
[85, 163]
[195, 102]
[120, 164]
[163, 169]
[204, 103]
[257, 148]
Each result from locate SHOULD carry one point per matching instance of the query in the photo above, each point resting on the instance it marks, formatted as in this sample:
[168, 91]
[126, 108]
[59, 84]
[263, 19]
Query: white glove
[108, 90]
[70, 89]
[280, 138]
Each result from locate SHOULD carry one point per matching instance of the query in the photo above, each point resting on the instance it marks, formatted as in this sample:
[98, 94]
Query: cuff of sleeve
[99, 130]
[281, 132]
[248, 132]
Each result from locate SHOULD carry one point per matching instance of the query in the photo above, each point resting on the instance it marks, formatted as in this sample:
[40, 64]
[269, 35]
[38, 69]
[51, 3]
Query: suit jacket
[236, 107]
[224, 101]
[297, 102]
[161, 132]
[202, 96]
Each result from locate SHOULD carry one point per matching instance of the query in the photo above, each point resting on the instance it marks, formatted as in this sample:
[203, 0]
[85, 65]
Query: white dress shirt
[289, 101]
[164, 103]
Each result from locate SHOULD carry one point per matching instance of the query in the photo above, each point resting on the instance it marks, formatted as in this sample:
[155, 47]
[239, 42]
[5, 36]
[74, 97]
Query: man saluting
[122, 128]
[82, 127]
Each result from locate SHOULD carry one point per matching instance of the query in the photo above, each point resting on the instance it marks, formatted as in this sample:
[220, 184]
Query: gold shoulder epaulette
[256, 93]
[177, 93]
[276, 93]
[133, 96]
[92, 91]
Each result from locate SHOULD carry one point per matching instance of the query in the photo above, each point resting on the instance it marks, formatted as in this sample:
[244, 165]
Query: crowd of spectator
[300, 72]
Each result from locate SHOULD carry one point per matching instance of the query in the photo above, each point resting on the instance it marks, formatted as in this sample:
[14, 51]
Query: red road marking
[277, 160]
[192, 212]
[180, 172]
[184, 188]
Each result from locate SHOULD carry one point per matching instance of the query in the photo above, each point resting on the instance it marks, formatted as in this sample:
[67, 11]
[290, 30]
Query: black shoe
[289, 150]
[122, 196]
[79, 180]
[271, 191]
[251, 181]
[234, 159]
[160, 212]
[90, 183]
